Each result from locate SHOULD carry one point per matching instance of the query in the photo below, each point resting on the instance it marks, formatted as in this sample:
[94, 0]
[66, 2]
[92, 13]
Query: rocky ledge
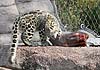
[57, 58]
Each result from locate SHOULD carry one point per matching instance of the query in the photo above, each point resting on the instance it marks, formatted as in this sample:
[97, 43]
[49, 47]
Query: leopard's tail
[15, 36]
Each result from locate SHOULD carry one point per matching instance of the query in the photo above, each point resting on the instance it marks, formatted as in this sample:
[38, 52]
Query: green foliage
[75, 12]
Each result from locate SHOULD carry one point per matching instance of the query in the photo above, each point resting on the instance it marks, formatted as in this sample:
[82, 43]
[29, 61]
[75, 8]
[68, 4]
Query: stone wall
[10, 9]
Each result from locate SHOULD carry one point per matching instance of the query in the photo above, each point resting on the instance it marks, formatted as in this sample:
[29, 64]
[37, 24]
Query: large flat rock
[57, 58]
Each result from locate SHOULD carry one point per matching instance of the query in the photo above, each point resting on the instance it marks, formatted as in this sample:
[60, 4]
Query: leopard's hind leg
[27, 35]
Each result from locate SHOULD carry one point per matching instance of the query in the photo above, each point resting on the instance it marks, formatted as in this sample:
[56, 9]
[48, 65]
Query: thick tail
[15, 34]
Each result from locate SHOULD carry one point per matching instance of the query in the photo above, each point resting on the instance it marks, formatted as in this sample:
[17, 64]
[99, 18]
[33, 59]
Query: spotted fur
[28, 23]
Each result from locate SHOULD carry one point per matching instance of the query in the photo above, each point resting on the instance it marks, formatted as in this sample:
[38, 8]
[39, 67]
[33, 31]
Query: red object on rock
[75, 39]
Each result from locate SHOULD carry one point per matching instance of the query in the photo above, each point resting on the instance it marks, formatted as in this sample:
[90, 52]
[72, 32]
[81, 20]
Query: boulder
[6, 3]
[6, 39]
[7, 17]
[25, 6]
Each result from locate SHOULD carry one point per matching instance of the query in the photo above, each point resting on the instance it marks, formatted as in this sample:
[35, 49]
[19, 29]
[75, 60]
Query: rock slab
[57, 58]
